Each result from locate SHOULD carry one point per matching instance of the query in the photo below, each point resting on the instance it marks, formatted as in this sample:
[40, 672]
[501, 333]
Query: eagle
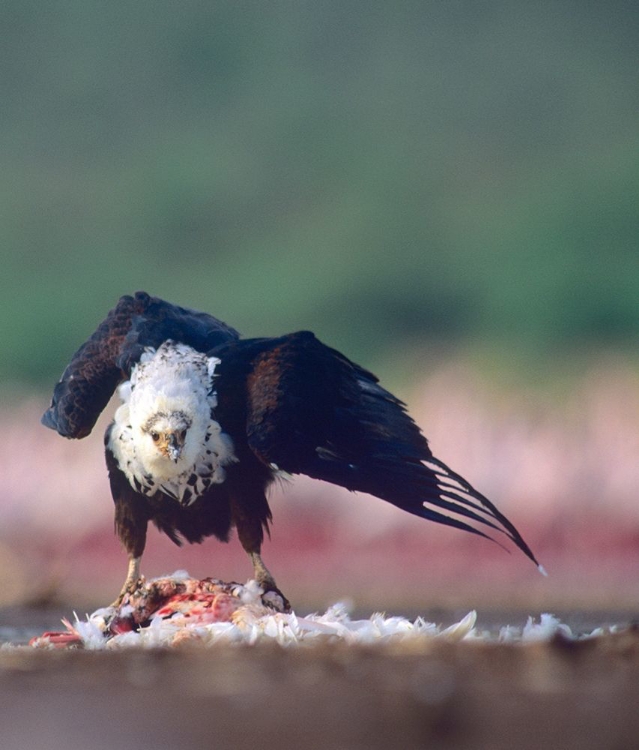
[208, 420]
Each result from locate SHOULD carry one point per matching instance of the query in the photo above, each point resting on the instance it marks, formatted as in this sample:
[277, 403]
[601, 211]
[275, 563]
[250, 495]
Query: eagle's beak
[174, 447]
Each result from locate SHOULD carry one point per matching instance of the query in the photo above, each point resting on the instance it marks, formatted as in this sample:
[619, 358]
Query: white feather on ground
[235, 613]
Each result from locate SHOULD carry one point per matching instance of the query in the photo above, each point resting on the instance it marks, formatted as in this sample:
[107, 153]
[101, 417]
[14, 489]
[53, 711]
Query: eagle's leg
[132, 582]
[131, 519]
[265, 579]
[250, 515]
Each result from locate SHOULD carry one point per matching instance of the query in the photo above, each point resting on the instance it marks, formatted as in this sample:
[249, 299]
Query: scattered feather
[174, 610]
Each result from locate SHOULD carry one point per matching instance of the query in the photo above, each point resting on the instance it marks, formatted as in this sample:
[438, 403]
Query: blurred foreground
[431, 694]
[561, 462]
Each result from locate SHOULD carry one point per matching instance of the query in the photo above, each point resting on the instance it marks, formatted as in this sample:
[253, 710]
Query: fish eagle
[208, 420]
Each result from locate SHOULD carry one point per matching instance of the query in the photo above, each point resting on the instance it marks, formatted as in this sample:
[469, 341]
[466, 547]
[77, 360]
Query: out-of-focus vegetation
[383, 173]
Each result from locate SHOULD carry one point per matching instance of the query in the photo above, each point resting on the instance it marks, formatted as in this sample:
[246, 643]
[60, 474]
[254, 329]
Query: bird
[208, 420]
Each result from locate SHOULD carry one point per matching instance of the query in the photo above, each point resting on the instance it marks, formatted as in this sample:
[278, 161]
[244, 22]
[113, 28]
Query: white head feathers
[172, 378]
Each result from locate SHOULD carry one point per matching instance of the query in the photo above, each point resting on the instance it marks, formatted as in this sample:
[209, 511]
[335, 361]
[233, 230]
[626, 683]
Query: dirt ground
[435, 694]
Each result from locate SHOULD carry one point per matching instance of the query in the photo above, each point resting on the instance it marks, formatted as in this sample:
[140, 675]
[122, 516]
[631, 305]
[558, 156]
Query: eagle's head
[164, 434]
[169, 437]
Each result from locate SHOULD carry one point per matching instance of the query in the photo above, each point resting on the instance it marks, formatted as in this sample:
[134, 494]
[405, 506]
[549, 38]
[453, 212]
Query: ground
[434, 693]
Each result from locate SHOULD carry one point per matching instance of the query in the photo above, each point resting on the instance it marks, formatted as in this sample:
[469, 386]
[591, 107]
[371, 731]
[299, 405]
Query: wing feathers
[106, 358]
[90, 378]
[312, 411]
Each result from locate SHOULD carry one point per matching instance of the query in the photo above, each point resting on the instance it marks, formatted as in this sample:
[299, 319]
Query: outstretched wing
[312, 411]
[106, 358]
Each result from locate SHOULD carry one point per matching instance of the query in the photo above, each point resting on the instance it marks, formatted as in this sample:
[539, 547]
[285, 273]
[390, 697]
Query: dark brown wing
[310, 410]
[106, 358]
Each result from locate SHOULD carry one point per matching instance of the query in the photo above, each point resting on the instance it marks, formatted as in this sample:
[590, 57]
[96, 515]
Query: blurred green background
[453, 174]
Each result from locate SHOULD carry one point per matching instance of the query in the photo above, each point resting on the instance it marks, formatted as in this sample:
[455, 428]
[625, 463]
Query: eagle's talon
[275, 599]
[131, 585]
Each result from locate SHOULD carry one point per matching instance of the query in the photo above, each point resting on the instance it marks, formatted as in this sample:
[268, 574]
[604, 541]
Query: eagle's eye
[182, 435]
[155, 436]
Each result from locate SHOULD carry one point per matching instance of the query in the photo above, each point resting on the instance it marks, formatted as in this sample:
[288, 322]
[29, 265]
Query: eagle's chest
[185, 480]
